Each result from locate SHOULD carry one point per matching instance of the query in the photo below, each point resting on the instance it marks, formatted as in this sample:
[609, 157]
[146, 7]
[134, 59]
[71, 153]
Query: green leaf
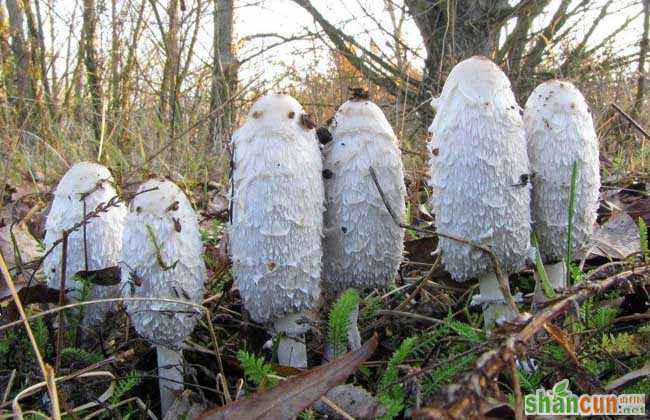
[572, 206]
[541, 271]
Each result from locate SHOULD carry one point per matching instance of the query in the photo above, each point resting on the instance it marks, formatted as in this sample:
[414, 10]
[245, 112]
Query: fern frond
[124, 386]
[81, 355]
[446, 372]
[390, 391]
[338, 324]
[643, 239]
[257, 370]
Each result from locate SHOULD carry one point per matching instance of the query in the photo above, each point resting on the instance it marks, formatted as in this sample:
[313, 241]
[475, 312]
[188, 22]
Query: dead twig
[48, 375]
[631, 120]
[463, 399]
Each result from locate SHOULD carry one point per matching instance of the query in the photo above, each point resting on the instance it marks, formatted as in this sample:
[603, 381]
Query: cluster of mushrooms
[307, 221]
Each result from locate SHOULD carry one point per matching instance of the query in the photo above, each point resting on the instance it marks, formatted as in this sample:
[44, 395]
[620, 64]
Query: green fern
[623, 343]
[530, 381]
[72, 353]
[339, 322]
[257, 370]
[445, 373]
[604, 316]
[643, 239]
[641, 387]
[389, 392]
[124, 386]
[465, 330]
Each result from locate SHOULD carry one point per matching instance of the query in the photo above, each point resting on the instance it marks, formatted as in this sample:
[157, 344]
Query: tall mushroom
[363, 245]
[163, 258]
[83, 187]
[560, 131]
[479, 172]
[276, 226]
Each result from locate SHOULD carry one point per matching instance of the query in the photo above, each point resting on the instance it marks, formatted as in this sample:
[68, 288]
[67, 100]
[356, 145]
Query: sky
[257, 18]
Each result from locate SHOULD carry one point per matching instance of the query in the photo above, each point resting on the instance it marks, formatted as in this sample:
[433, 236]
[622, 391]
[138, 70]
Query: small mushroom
[481, 154]
[559, 132]
[90, 183]
[169, 265]
[362, 245]
[276, 227]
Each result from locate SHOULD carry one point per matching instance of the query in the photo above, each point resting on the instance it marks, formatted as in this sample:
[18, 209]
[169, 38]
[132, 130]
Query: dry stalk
[47, 375]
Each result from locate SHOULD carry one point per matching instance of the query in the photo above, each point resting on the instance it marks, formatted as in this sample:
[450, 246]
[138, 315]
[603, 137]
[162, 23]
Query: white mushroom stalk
[363, 245]
[88, 183]
[479, 171]
[559, 132]
[276, 228]
[163, 258]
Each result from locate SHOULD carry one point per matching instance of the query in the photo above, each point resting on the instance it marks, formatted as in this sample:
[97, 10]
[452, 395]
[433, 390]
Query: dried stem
[39, 358]
[61, 328]
[463, 398]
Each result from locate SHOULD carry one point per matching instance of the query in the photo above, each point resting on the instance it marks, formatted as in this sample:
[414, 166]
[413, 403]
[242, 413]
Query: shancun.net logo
[562, 402]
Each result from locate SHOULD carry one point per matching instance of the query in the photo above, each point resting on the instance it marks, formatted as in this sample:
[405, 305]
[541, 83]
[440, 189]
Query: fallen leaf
[186, 406]
[617, 238]
[109, 276]
[419, 250]
[354, 400]
[290, 397]
[29, 295]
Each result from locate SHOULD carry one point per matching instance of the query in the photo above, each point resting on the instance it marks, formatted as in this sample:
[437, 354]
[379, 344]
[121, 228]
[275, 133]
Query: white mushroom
[163, 258]
[479, 169]
[363, 245]
[560, 131]
[92, 183]
[275, 233]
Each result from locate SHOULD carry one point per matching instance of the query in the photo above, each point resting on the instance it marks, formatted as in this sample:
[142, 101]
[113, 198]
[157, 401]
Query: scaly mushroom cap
[478, 160]
[170, 268]
[277, 206]
[103, 234]
[363, 245]
[560, 131]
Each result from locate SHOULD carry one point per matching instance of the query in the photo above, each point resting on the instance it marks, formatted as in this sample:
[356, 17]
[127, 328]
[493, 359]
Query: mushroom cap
[560, 131]
[477, 78]
[477, 160]
[182, 274]
[362, 245]
[273, 111]
[103, 234]
[360, 116]
[277, 206]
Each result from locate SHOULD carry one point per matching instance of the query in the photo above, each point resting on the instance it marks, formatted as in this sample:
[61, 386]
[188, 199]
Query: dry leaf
[292, 396]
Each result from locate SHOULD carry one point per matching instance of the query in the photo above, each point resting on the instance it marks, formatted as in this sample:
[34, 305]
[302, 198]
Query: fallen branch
[462, 400]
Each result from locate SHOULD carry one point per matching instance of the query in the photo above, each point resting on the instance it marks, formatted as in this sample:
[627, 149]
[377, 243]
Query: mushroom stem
[354, 338]
[495, 308]
[170, 376]
[292, 350]
[557, 275]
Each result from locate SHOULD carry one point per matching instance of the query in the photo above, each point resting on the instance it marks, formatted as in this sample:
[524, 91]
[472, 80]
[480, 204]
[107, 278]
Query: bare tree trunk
[168, 86]
[224, 74]
[22, 72]
[643, 55]
[91, 61]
